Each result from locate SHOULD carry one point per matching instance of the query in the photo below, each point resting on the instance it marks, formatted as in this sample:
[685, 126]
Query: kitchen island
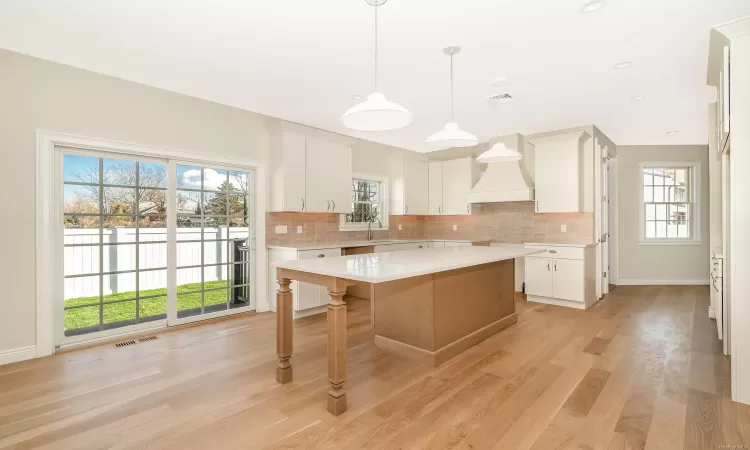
[429, 304]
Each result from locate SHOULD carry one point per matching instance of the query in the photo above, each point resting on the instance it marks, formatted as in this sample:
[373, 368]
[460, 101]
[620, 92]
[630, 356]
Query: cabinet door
[457, 184]
[293, 171]
[538, 276]
[318, 173]
[339, 177]
[557, 175]
[435, 183]
[415, 186]
[567, 279]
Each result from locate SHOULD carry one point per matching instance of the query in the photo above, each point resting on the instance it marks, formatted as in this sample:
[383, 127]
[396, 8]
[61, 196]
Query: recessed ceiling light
[670, 133]
[637, 97]
[622, 65]
[594, 6]
[499, 81]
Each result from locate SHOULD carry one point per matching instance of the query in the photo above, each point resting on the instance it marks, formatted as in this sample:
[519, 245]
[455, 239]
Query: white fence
[152, 253]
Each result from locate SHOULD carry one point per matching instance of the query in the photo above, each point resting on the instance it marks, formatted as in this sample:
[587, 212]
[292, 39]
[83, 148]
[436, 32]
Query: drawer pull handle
[552, 251]
[321, 255]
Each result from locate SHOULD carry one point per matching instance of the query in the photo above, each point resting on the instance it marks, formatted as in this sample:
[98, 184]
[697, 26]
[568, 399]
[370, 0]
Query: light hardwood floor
[641, 369]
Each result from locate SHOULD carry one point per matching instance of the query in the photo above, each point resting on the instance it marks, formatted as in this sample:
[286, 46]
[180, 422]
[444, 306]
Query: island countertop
[389, 266]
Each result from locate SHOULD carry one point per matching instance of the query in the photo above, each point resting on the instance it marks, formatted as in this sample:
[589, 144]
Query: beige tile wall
[500, 222]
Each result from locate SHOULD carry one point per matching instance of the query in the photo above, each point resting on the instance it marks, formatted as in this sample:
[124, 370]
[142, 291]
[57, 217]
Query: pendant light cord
[452, 118]
[375, 76]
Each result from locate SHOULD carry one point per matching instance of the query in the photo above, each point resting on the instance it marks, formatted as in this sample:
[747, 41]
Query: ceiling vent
[500, 98]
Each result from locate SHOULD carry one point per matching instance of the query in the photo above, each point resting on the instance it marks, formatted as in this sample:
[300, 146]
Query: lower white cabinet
[401, 246]
[563, 276]
[308, 298]
[457, 244]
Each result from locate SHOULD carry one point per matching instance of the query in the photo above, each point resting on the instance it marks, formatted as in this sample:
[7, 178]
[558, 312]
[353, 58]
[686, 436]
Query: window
[369, 194]
[669, 210]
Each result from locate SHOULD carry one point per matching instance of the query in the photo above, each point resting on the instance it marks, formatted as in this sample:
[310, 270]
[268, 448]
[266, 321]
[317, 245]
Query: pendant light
[499, 153]
[376, 113]
[451, 135]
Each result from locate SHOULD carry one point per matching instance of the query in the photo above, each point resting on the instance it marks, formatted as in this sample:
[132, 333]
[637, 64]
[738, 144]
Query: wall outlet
[299, 229]
[455, 227]
[280, 229]
[400, 227]
[563, 228]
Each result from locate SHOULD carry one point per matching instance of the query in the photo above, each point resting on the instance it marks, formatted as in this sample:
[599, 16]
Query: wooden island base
[438, 316]
[430, 317]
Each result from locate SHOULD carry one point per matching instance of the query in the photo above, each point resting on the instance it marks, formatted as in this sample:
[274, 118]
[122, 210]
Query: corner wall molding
[17, 354]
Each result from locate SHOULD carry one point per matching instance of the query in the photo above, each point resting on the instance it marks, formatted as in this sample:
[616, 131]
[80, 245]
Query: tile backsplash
[498, 222]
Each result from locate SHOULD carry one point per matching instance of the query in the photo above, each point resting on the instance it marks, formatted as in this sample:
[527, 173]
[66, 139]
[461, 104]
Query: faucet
[369, 227]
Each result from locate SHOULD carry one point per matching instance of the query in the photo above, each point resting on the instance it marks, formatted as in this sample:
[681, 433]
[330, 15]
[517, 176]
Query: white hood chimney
[505, 182]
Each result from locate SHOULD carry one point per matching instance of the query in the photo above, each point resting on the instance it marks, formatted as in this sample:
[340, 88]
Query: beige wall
[37, 94]
[686, 263]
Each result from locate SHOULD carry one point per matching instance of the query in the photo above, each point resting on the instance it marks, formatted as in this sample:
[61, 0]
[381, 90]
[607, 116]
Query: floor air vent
[124, 344]
[147, 338]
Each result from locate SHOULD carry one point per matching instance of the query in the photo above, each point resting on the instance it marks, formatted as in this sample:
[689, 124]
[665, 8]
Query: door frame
[49, 177]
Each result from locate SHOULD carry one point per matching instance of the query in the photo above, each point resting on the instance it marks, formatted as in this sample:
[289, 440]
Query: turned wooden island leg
[337, 351]
[284, 331]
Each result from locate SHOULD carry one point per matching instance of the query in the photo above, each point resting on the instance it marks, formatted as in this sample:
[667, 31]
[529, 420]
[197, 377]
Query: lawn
[89, 315]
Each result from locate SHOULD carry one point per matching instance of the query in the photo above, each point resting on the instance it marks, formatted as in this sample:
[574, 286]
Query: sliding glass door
[150, 242]
[215, 248]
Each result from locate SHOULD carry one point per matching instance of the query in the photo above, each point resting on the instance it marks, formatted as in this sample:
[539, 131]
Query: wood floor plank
[641, 369]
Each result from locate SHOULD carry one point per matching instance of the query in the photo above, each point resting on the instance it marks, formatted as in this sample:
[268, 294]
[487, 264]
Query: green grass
[89, 315]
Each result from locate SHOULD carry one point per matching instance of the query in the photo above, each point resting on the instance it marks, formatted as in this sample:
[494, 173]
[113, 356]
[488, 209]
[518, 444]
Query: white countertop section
[349, 244]
[382, 267]
[559, 245]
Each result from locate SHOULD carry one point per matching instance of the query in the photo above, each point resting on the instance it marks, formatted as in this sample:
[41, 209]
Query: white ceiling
[303, 60]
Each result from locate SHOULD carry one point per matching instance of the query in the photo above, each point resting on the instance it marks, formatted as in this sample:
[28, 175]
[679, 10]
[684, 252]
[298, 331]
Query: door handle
[467, 208]
[555, 266]
[552, 251]
[440, 209]
[548, 263]
[406, 209]
[328, 208]
[303, 203]
[321, 255]
[334, 205]
[537, 205]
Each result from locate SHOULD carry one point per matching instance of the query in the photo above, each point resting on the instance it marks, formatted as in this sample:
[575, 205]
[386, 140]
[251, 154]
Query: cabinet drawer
[558, 252]
[320, 253]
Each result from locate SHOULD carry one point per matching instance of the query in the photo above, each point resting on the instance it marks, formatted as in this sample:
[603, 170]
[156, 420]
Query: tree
[229, 201]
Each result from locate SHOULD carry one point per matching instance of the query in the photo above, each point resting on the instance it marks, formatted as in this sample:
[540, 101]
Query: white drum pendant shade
[376, 114]
[451, 136]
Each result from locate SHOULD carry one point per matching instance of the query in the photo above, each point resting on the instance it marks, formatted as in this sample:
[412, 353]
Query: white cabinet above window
[310, 173]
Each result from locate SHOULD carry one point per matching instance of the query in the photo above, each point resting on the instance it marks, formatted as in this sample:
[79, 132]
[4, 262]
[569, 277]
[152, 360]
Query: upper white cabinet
[409, 179]
[288, 171]
[559, 173]
[459, 176]
[435, 187]
[310, 173]
[722, 104]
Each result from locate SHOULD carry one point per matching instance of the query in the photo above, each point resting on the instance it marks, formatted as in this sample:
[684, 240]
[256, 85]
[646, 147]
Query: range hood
[505, 182]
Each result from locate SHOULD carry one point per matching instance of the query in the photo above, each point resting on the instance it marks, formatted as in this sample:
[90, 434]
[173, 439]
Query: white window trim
[49, 251]
[695, 194]
[384, 182]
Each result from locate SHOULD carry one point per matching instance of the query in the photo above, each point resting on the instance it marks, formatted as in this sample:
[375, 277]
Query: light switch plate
[455, 227]
[280, 229]
[299, 229]
[563, 228]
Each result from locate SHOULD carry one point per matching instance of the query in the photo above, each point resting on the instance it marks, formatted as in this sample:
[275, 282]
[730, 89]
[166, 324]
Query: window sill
[669, 242]
[353, 227]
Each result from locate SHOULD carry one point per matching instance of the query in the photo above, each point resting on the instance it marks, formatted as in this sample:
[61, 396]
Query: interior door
[538, 276]
[605, 236]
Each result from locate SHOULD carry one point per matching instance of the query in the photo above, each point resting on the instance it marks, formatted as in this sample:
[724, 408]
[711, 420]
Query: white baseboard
[643, 282]
[17, 354]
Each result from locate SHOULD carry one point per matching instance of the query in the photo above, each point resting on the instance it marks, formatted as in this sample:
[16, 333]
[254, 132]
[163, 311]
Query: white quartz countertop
[349, 244]
[389, 266]
[549, 244]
